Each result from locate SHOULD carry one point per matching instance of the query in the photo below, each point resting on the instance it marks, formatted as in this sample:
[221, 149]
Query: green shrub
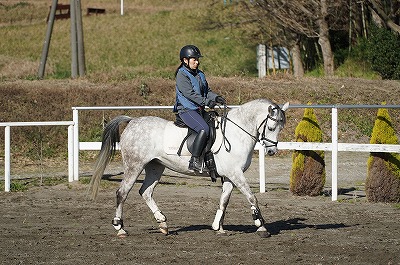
[383, 52]
[383, 178]
[308, 169]
[18, 186]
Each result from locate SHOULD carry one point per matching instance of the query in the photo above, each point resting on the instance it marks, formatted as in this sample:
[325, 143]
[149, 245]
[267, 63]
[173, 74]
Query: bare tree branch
[381, 13]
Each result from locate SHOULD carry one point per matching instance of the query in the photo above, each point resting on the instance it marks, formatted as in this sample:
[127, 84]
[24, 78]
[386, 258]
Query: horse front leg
[244, 187]
[227, 188]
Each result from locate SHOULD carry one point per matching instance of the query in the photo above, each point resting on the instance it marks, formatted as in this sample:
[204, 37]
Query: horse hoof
[122, 233]
[164, 231]
[163, 228]
[221, 233]
[264, 234]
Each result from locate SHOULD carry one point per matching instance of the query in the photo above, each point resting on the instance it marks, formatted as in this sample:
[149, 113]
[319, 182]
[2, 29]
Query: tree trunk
[298, 69]
[324, 41]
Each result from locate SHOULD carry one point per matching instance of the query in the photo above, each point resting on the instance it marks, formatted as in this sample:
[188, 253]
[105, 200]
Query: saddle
[207, 156]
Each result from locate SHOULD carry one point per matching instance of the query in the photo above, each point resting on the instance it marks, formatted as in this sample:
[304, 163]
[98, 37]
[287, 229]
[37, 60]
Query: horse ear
[286, 106]
[270, 110]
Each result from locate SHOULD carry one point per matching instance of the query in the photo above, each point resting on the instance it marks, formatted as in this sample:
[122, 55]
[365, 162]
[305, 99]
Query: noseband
[263, 139]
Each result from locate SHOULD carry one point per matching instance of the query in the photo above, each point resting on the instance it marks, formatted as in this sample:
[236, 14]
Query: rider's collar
[194, 72]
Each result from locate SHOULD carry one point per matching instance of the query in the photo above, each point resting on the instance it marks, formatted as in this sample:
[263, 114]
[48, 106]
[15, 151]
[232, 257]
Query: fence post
[7, 158]
[261, 61]
[70, 153]
[261, 159]
[75, 118]
[334, 153]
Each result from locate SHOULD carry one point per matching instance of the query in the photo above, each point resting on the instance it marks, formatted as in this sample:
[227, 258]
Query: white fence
[74, 145]
[7, 146]
[334, 146]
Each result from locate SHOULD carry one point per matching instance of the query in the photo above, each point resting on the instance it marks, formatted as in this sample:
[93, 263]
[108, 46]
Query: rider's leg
[195, 121]
[198, 146]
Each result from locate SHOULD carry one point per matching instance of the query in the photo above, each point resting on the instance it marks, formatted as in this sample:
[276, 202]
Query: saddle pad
[173, 137]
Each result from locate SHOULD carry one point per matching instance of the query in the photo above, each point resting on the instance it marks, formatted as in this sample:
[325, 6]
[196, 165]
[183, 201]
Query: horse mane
[255, 106]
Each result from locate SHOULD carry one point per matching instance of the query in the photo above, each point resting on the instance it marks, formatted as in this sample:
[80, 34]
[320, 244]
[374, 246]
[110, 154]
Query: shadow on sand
[274, 228]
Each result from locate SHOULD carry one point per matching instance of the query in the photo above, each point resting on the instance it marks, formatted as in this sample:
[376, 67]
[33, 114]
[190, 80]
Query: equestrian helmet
[189, 51]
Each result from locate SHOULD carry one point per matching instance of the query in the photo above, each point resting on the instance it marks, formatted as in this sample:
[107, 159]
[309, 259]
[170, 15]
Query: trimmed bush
[383, 179]
[308, 169]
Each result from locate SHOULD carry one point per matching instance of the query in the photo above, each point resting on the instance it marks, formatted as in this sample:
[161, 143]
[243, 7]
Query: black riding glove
[220, 100]
[212, 104]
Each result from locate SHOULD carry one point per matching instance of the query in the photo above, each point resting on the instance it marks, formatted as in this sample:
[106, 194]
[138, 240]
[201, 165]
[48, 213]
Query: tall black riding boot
[198, 145]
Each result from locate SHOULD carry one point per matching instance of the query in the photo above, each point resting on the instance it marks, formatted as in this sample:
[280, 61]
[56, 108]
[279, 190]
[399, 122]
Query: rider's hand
[212, 104]
[220, 100]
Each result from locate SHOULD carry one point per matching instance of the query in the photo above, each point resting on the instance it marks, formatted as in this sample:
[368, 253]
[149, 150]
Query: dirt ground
[59, 225]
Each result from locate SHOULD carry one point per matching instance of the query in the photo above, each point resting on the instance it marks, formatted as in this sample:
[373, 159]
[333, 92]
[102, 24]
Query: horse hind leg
[154, 171]
[131, 175]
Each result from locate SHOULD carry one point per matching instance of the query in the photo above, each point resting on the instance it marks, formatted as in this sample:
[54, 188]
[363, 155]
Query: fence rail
[74, 145]
[7, 145]
[334, 146]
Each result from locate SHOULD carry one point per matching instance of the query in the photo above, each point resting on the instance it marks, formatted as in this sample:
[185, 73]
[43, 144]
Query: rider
[192, 95]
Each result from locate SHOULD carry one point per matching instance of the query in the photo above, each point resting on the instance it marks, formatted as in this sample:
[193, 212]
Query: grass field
[145, 41]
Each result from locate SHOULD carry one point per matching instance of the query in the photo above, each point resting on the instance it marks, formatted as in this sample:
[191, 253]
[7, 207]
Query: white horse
[142, 144]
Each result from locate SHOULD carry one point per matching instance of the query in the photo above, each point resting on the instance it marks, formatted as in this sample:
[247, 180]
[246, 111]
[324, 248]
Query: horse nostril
[271, 152]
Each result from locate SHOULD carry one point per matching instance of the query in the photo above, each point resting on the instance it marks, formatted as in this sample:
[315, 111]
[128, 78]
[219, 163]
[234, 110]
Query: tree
[308, 169]
[310, 18]
[385, 18]
[383, 179]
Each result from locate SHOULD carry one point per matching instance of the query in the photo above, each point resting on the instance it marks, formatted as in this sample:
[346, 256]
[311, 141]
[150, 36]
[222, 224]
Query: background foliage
[383, 51]
[145, 41]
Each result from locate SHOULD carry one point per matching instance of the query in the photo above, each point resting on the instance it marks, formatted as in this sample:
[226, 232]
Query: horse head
[271, 127]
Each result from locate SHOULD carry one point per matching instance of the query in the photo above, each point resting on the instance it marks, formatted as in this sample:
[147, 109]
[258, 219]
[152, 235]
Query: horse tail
[111, 136]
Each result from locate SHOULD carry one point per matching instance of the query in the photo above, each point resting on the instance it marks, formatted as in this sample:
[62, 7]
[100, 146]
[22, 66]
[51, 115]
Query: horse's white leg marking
[227, 188]
[126, 185]
[154, 171]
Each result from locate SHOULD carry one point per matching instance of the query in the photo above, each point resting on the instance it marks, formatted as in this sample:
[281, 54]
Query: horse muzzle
[270, 147]
[271, 150]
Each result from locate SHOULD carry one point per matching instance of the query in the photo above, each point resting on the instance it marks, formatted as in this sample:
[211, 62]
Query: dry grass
[48, 100]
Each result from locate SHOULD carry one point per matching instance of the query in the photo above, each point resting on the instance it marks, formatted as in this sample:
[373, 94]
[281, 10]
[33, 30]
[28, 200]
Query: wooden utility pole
[74, 42]
[78, 66]
[46, 44]
[79, 34]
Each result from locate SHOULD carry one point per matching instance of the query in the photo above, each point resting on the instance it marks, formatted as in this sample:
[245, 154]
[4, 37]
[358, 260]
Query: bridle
[262, 140]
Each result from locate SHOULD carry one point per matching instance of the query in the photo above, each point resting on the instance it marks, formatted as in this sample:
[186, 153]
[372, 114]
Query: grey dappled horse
[141, 143]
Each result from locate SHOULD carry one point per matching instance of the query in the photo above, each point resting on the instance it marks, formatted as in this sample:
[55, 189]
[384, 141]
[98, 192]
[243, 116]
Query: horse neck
[249, 116]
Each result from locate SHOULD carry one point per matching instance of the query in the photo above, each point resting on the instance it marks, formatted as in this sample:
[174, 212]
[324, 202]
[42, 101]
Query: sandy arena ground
[59, 225]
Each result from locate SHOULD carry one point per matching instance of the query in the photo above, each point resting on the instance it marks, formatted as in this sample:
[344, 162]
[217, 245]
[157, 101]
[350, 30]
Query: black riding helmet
[189, 51]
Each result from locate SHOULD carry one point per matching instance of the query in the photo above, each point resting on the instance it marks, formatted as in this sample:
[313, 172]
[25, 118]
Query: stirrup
[196, 165]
